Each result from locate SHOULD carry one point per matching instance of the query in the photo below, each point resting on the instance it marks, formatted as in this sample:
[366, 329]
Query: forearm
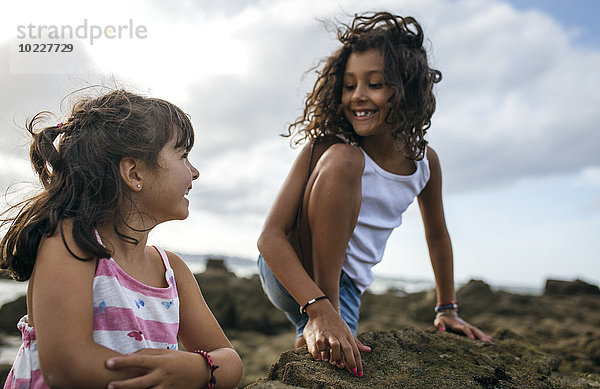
[440, 252]
[283, 261]
[230, 369]
[84, 367]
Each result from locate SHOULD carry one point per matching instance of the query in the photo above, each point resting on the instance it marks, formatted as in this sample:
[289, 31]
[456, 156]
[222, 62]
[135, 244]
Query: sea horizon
[245, 267]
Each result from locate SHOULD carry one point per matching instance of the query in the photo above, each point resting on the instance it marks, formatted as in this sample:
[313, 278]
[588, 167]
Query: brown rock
[412, 358]
[4, 370]
[11, 313]
[239, 303]
[570, 288]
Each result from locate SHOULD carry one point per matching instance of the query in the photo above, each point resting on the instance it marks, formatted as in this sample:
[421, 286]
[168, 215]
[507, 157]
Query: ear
[131, 173]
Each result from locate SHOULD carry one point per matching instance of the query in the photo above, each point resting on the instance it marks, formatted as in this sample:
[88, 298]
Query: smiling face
[365, 94]
[165, 187]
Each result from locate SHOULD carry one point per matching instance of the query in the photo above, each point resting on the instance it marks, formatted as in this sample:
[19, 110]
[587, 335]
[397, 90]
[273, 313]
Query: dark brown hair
[80, 175]
[406, 71]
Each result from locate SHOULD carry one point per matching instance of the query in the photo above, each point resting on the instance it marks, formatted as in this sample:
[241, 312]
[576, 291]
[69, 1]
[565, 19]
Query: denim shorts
[279, 296]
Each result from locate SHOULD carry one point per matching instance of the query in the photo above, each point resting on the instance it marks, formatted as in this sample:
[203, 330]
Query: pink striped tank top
[128, 316]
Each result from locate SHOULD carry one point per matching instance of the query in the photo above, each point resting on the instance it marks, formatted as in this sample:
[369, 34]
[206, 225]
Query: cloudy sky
[516, 127]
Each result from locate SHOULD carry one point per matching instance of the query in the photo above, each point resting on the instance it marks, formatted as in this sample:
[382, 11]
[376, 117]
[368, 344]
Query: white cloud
[518, 100]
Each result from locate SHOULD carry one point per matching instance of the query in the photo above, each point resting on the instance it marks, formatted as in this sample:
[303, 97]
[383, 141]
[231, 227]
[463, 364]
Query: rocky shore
[540, 341]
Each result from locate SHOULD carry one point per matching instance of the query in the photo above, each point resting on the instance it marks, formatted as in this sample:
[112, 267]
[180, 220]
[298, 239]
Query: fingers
[467, 331]
[456, 324]
[131, 360]
[335, 351]
[325, 355]
[333, 341]
[312, 348]
[361, 347]
[352, 356]
[321, 348]
[144, 381]
[439, 324]
[338, 352]
[317, 347]
[481, 335]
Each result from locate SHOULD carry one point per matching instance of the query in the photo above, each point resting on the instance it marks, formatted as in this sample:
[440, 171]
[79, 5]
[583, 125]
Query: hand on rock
[328, 338]
[451, 321]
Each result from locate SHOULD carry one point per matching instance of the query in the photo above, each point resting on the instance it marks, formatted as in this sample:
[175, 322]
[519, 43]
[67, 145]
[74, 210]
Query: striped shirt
[128, 316]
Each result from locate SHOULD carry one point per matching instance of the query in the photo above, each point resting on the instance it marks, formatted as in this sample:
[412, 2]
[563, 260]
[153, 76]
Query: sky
[516, 126]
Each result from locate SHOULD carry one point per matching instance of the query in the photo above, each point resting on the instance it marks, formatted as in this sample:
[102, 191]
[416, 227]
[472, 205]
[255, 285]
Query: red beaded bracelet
[212, 380]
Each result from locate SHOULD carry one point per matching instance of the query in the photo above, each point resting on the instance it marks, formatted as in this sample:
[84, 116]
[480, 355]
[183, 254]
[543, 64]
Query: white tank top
[385, 197]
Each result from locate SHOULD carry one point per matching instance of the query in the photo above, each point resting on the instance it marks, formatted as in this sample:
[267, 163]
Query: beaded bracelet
[311, 301]
[212, 380]
[451, 306]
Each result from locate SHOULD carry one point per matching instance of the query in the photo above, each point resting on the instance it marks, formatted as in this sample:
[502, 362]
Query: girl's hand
[164, 369]
[451, 321]
[328, 338]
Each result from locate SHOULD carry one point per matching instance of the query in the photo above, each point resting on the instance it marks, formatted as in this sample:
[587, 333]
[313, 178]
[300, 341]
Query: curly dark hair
[80, 177]
[406, 71]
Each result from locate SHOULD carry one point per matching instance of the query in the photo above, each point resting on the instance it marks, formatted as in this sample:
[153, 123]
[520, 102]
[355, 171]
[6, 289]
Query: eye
[349, 87]
[375, 85]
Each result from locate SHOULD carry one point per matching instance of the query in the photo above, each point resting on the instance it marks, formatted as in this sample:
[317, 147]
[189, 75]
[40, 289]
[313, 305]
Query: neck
[381, 147]
[122, 249]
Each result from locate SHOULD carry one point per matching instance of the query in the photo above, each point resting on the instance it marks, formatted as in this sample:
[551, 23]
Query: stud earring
[139, 186]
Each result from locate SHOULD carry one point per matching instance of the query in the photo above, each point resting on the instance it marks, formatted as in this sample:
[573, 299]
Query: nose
[358, 93]
[195, 172]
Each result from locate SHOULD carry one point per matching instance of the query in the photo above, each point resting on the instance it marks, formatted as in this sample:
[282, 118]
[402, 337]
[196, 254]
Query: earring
[138, 186]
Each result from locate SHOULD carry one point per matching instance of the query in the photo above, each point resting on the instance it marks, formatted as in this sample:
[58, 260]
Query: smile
[364, 114]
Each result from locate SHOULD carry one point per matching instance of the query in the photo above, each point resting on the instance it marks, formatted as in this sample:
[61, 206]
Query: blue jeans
[279, 296]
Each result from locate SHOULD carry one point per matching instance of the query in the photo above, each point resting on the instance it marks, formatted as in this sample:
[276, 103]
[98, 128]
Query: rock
[476, 296]
[4, 370]
[413, 358]
[570, 288]
[11, 313]
[217, 265]
[239, 303]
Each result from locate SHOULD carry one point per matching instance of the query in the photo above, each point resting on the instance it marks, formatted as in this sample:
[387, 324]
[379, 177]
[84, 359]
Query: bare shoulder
[432, 156]
[61, 243]
[58, 262]
[346, 150]
[175, 260]
[349, 156]
[180, 268]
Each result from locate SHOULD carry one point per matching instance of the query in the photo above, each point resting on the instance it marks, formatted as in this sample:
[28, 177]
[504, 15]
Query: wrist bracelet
[311, 301]
[212, 380]
[447, 313]
[451, 306]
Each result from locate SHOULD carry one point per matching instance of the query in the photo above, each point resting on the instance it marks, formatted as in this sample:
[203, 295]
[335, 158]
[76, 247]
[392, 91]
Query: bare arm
[326, 334]
[436, 232]
[273, 243]
[198, 330]
[62, 313]
[440, 249]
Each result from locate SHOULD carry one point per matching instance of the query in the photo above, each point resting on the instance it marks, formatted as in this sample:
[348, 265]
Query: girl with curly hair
[366, 161]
